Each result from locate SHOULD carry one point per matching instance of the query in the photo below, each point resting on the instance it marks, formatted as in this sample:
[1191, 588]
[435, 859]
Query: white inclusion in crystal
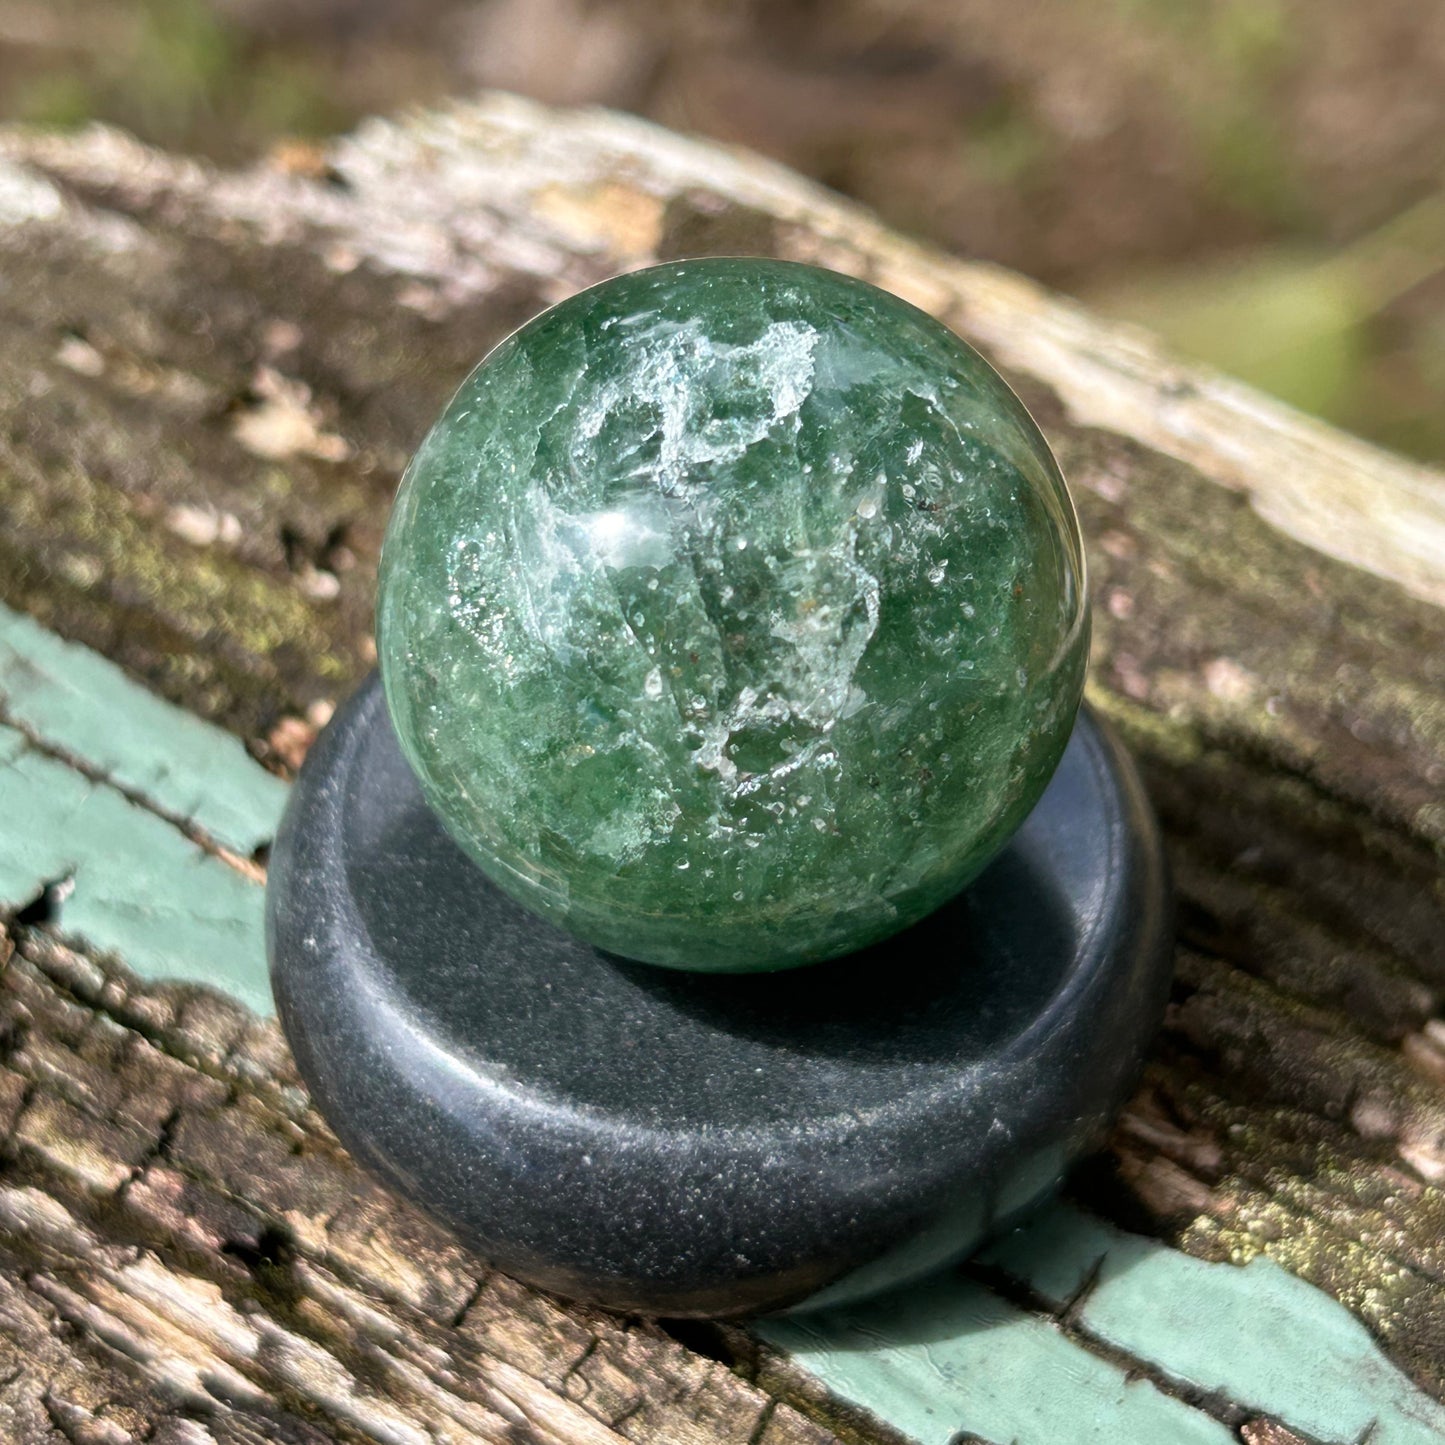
[652, 684]
[645, 819]
[619, 539]
[828, 640]
[868, 505]
[548, 572]
[777, 369]
[475, 577]
[711, 756]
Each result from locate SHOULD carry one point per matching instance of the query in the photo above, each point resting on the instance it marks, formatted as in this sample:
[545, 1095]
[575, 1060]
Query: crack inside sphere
[732, 615]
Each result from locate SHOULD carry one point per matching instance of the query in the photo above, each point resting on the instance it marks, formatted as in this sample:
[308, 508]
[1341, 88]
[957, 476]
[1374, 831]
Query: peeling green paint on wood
[78, 704]
[134, 884]
[115, 795]
[1254, 1332]
[951, 1359]
[1221, 1342]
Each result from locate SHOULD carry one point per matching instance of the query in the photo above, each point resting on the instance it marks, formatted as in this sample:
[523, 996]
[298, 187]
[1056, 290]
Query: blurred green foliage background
[1262, 181]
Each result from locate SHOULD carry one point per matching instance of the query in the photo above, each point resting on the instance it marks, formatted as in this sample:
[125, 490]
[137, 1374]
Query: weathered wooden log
[208, 385]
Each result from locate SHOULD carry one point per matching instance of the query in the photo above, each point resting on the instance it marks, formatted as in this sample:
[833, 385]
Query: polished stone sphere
[732, 615]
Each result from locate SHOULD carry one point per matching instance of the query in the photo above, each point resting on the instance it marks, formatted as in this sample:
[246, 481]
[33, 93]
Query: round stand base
[705, 1144]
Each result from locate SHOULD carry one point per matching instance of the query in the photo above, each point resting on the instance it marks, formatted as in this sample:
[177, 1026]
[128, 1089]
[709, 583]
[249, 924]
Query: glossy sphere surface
[732, 614]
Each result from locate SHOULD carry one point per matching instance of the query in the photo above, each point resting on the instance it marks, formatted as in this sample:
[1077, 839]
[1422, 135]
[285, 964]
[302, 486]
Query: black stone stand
[704, 1144]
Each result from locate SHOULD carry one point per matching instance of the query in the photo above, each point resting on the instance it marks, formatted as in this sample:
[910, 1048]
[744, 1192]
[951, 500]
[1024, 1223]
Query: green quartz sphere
[732, 615]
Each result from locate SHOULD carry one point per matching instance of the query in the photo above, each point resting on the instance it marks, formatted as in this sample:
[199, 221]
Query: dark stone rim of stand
[701, 1144]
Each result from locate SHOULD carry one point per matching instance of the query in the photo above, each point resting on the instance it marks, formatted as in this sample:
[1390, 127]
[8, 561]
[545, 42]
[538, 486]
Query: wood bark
[186, 1254]
[209, 385]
